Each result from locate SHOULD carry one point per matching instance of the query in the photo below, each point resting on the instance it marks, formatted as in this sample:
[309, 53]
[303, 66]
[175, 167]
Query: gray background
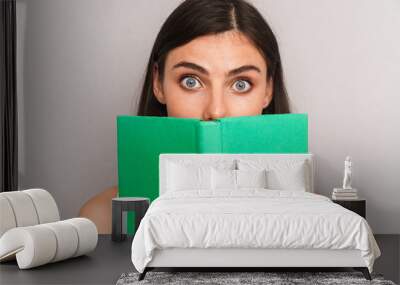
[81, 63]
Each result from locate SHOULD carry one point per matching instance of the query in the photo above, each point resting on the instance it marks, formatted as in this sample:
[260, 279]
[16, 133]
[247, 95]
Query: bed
[245, 211]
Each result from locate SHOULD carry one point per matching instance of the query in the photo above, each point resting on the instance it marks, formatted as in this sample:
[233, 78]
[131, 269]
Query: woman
[211, 59]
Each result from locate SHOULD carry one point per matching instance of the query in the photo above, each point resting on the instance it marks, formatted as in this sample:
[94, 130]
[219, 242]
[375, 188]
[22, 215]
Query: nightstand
[137, 204]
[358, 206]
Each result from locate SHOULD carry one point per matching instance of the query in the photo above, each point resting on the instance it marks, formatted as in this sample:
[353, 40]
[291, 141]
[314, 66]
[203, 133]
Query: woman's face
[214, 76]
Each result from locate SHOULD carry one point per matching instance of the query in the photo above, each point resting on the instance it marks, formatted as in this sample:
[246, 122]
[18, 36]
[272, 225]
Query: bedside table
[358, 206]
[137, 204]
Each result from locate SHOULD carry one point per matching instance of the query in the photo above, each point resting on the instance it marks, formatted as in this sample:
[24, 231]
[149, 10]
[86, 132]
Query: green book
[141, 139]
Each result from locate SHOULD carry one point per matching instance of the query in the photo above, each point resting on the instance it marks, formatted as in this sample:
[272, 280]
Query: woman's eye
[190, 82]
[241, 85]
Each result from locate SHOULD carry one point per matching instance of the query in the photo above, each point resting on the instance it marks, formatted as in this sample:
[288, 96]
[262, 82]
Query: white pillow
[282, 174]
[223, 178]
[188, 174]
[220, 163]
[287, 179]
[256, 178]
[187, 177]
[236, 179]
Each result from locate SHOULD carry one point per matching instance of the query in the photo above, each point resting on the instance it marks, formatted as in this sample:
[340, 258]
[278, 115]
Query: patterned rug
[269, 278]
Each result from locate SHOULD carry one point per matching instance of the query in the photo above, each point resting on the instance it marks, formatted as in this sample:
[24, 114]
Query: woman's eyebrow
[201, 69]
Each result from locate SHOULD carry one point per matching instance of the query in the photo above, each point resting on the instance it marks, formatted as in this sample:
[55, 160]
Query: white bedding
[250, 218]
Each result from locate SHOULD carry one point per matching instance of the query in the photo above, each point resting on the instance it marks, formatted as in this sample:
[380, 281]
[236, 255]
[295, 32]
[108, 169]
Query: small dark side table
[137, 204]
[358, 206]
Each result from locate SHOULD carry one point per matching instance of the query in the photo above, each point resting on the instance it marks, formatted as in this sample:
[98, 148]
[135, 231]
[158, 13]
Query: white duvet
[251, 218]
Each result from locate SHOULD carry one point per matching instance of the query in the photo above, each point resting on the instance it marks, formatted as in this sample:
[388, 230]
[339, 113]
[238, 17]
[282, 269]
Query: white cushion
[187, 174]
[185, 177]
[223, 179]
[7, 220]
[31, 233]
[256, 178]
[67, 237]
[87, 233]
[23, 208]
[282, 174]
[31, 246]
[40, 244]
[293, 178]
[228, 179]
[45, 205]
[27, 208]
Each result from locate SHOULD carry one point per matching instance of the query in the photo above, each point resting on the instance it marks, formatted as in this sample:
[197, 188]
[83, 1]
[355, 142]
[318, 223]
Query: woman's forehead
[218, 53]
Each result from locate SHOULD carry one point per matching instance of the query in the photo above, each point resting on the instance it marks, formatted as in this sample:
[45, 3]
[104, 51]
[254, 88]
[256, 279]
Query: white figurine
[347, 173]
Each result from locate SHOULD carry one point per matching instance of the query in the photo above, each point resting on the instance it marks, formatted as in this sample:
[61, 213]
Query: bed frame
[243, 259]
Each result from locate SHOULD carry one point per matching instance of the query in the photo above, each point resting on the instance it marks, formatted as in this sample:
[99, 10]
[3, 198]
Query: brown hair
[194, 18]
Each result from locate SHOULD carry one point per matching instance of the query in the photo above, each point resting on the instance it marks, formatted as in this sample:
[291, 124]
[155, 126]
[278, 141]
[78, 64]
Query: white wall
[82, 62]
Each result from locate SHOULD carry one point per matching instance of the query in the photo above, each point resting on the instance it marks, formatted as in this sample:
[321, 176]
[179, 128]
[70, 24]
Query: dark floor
[111, 259]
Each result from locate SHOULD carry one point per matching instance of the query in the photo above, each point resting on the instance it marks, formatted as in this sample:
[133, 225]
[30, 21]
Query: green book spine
[209, 137]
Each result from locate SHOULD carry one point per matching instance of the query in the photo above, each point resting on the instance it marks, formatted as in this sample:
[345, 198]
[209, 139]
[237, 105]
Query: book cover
[141, 139]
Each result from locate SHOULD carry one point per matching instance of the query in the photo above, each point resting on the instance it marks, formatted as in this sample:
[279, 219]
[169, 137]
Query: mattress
[250, 218]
